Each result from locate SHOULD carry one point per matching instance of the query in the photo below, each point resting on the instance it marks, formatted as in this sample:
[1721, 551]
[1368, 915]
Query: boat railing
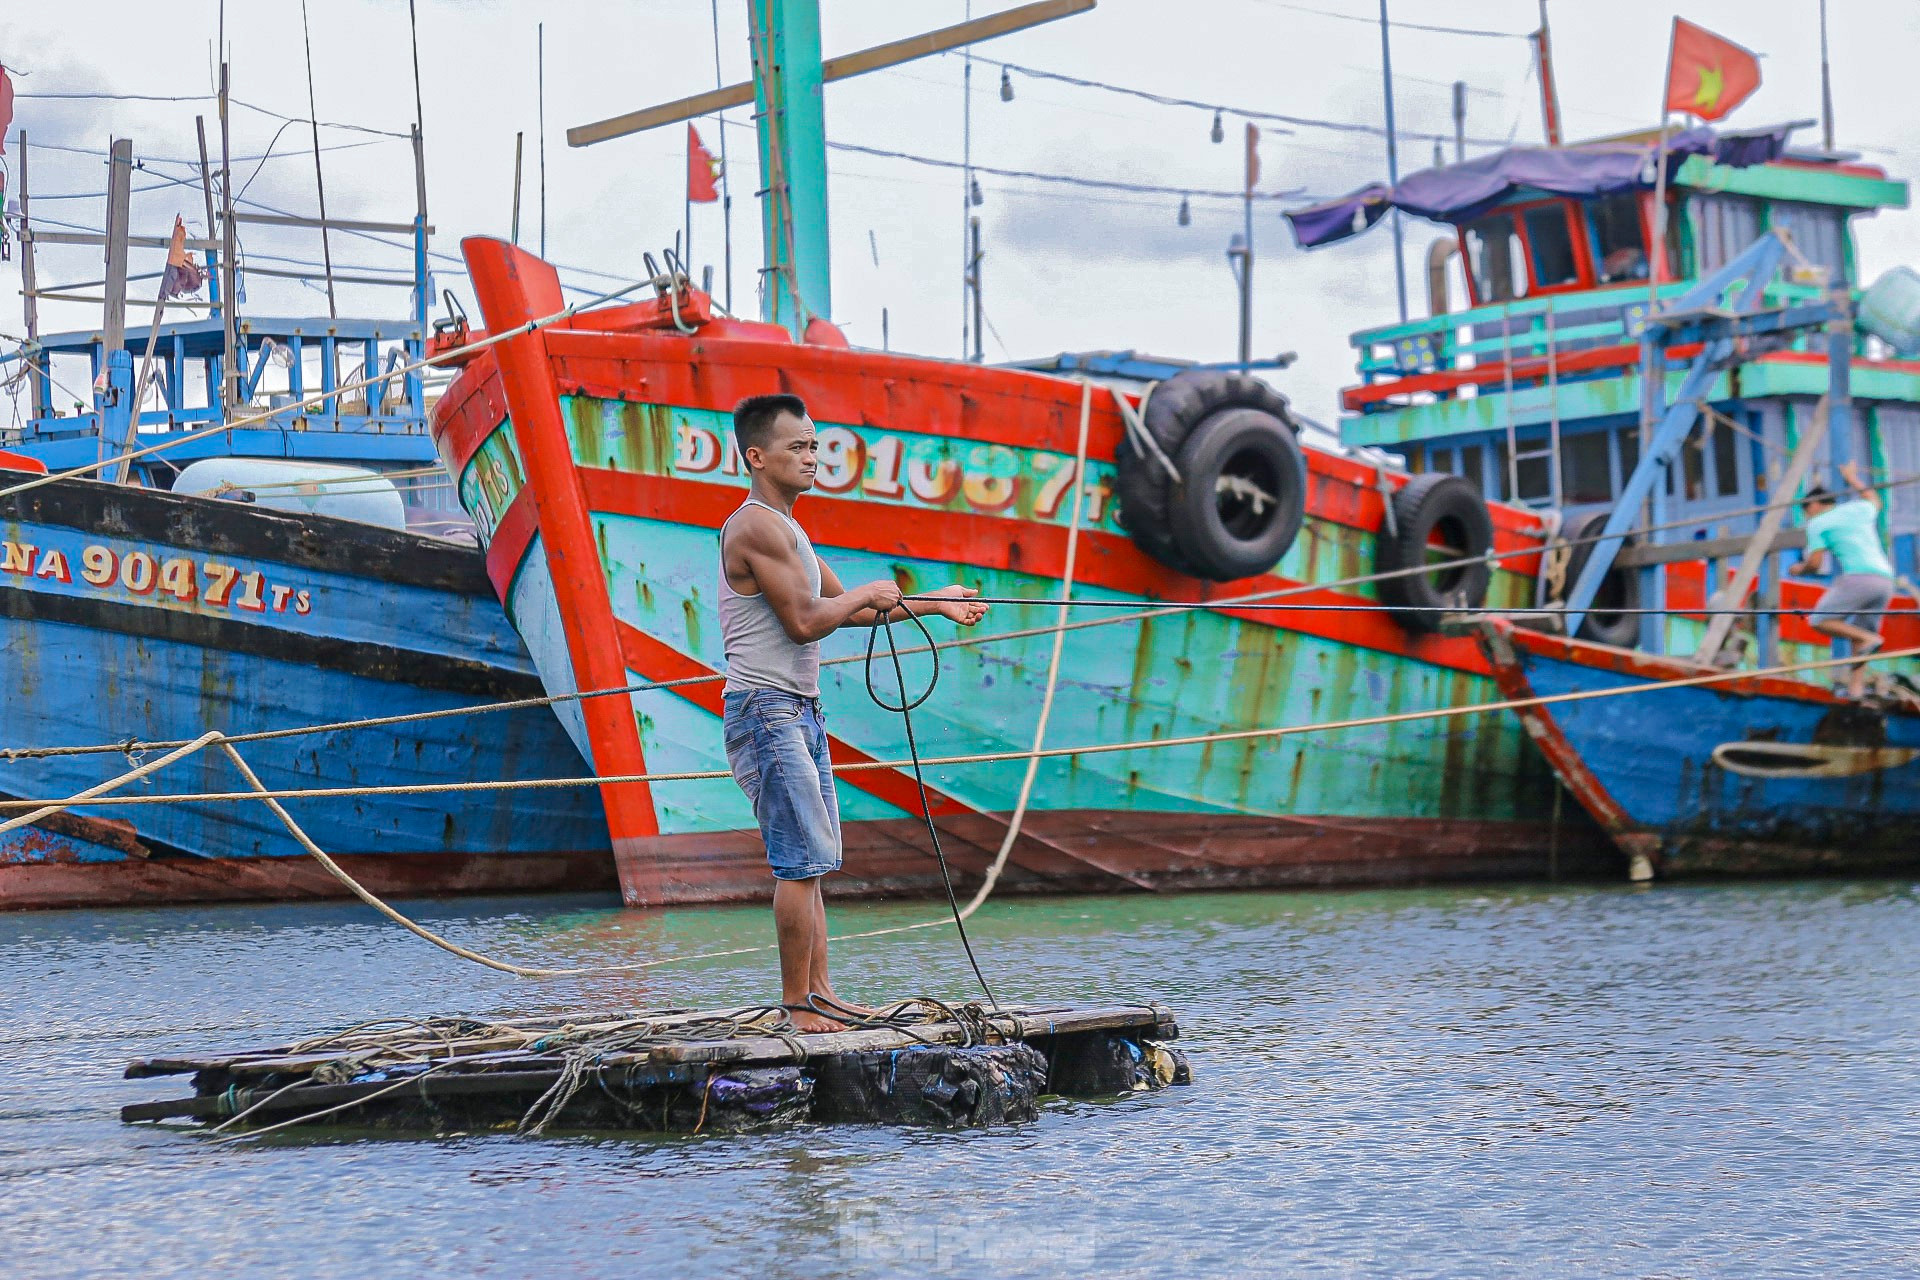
[1445, 352]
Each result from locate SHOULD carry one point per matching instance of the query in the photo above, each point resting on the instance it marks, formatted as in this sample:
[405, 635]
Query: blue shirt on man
[1851, 531]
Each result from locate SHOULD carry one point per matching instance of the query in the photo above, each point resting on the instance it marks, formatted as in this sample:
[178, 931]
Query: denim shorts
[777, 749]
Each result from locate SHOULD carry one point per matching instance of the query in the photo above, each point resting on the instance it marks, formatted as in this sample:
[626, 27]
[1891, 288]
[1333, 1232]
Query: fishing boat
[1664, 400]
[131, 615]
[597, 461]
[304, 567]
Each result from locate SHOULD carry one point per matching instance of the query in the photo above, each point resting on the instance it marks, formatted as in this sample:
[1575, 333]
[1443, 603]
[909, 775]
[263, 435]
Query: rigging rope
[271, 798]
[321, 397]
[988, 757]
[1144, 611]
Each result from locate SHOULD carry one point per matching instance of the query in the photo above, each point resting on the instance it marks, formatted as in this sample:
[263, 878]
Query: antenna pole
[541, 46]
[973, 279]
[1393, 164]
[415, 385]
[29, 290]
[1826, 85]
[519, 146]
[111, 390]
[319, 181]
[229, 274]
[1549, 92]
[1459, 121]
[726, 172]
[967, 277]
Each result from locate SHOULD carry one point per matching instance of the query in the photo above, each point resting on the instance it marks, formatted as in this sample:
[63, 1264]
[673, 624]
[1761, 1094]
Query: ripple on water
[1528, 1081]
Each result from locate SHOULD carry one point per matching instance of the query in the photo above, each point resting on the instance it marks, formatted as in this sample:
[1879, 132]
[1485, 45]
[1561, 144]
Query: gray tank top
[760, 654]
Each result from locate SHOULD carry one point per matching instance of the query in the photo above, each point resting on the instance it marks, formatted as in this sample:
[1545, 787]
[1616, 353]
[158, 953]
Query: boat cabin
[1524, 375]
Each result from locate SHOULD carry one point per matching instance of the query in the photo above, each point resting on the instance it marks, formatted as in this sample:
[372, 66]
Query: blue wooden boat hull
[1759, 775]
[130, 614]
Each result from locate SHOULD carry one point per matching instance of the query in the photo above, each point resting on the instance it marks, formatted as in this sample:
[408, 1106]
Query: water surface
[1687, 1081]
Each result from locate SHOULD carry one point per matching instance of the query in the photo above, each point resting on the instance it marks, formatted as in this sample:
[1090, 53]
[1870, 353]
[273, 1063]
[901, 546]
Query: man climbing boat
[1847, 534]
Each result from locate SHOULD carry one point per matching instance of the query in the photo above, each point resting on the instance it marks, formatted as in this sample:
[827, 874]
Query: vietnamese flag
[1707, 76]
[6, 108]
[702, 169]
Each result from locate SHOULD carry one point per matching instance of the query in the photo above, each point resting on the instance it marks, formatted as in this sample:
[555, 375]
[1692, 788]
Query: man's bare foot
[834, 1004]
[807, 1022]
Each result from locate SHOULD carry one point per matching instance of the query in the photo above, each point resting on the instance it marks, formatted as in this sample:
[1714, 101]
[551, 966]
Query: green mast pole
[793, 160]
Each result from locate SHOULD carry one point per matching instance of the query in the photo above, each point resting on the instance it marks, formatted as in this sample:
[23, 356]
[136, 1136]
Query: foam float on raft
[924, 1062]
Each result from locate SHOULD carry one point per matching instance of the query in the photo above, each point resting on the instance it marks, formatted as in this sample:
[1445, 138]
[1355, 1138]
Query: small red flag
[6, 108]
[1253, 157]
[702, 169]
[1707, 76]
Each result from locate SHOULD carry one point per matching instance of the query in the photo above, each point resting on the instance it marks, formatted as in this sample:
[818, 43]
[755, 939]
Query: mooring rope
[272, 798]
[1143, 613]
[1249, 602]
[987, 757]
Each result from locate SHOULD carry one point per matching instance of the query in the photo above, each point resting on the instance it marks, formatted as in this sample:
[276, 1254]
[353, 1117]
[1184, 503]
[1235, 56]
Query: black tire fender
[1435, 506]
[1176, 407]
[1620, 589]
[1242, 494]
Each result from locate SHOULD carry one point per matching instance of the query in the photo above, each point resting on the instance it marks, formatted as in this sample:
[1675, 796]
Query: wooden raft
[924, 1062]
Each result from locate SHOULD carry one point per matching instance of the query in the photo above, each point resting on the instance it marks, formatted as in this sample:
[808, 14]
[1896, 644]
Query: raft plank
[1024, 1026]
[503, 1067]
[1017, 1024]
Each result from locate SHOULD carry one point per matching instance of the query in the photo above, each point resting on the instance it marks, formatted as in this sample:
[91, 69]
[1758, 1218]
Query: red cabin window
[1533, 248]
[1619, 237]
[1551, 245]
[1496, 258]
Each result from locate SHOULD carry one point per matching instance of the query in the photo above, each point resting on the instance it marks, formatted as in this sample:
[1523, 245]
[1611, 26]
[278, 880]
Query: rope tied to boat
[1269, 600]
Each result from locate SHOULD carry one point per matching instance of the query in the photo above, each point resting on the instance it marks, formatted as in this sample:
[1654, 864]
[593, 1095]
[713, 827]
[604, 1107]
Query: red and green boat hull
[596, 458]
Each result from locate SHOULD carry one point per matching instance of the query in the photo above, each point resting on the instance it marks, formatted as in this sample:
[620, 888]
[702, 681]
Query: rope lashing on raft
[420, 1048]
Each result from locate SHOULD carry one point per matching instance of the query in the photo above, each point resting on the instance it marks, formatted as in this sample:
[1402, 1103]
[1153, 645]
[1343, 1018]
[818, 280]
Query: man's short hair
[1815, 496]
[753, 418]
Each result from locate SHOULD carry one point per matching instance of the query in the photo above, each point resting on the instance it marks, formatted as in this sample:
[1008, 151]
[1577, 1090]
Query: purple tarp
[1461, 192]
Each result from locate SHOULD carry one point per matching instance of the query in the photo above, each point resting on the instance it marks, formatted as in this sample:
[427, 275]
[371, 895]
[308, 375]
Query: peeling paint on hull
[145, 629]
[1643, 764]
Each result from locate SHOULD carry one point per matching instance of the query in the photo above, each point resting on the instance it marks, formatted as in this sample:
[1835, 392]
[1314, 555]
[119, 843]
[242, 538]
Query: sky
[1065, 268]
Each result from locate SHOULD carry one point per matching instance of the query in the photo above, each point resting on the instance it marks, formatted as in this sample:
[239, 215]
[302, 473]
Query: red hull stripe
[508, 546]
[1566, 762]
[1687, 593]
[513, 287]
[474, 404]
[1486, 375]
[1646, 666]
[652, 659]
[990, 406]
[1106, 560]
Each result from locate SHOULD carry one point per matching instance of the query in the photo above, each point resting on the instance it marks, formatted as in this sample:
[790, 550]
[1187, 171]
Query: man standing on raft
[777, 600]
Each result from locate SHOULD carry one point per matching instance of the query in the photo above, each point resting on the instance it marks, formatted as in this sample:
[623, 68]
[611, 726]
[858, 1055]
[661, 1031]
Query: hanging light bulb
[1219, 130]
[1006, 86]
[974, 194]
[1186, 213]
